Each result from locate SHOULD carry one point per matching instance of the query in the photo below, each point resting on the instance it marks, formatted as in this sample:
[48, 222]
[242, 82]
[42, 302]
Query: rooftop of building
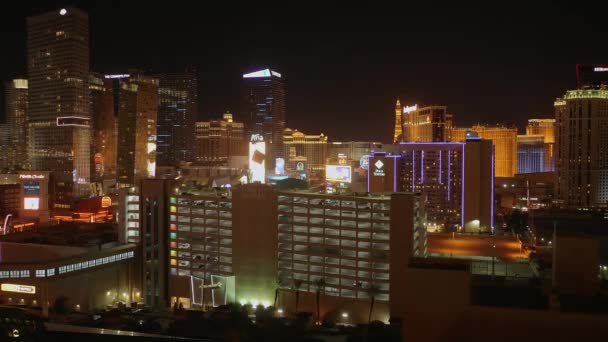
[74, 234]
[30, 253]
[441, 264]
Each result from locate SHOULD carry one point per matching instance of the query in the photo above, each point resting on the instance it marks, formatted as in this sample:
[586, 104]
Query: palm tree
[372, 291]
[277, 288]
[297, 283]
[320, 283]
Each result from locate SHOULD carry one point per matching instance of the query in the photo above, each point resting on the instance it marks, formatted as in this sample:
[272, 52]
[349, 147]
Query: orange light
[106, 201]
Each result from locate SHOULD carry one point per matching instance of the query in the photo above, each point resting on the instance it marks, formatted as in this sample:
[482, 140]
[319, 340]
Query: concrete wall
[497, 324]
[576, 265]
[254, 242]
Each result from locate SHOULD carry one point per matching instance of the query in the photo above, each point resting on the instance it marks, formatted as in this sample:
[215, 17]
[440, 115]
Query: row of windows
[15, 274]
[68, 268]
[95, 262]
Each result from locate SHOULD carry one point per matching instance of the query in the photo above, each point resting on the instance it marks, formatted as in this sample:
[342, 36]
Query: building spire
[398, 123]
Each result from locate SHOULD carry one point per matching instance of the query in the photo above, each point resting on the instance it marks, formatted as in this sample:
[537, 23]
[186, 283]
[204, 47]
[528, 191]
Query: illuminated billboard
[338, 173]
[31, 203]
[18, 288]
[257, 159]
[151, 167]
[279, 168]
[31, 188]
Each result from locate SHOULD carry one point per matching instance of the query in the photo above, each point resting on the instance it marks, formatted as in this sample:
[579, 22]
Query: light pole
[493, 254]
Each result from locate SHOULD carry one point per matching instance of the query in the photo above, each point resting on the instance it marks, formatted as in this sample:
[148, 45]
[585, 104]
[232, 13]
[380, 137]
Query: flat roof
[32, 253]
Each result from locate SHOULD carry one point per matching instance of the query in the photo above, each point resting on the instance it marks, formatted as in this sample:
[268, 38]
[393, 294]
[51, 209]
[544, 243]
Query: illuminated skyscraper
[137, 113]
[426, 124]
[58, 74]
[177, 112]
[455, 177]
[312, 147]
[544, 127]
[263, 110]
[581, 148]
[17, 122]
[505, 146]
[104, 128]
[218, 140]
[398, 124]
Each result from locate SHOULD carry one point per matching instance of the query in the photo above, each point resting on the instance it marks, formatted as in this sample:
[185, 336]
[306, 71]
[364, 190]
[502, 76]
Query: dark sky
[345, 66]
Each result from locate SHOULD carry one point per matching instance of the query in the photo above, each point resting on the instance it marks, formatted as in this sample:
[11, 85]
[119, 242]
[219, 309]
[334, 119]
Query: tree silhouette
[297, 283]
[372, 291]
[320, 284]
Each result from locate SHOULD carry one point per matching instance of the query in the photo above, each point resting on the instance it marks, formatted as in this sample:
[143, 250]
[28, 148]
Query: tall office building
[398, 123]
[17, 122]
[177, 112]
[59, 109]
[137, 113]
[581, 148]
[104, 128]
[312, 147]
[530, 154]
[589, 76]
[505, 146]
[263, 110]
[218, 140]
[426, 124]
[455, 177]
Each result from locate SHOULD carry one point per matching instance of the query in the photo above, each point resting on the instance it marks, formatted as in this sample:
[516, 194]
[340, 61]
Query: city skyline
[417, 63]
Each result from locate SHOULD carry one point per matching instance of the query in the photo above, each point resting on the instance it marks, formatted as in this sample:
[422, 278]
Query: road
[507, 248]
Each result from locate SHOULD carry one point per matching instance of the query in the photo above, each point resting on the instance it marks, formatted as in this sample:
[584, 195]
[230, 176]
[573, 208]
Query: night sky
[344, 67]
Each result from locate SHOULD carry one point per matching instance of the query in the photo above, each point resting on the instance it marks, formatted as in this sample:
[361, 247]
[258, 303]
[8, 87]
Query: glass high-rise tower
[177, 114]
[16, 119]
[263, 110]
[59, 108]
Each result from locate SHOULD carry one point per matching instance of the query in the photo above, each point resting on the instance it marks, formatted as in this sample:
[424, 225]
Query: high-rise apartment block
[177, 113]
[313, 148]
[219, 140]
[59, 108]
[137, 115]
[16, 101]
[426, 124]
[456, 180]
[581, 148]
[104, 128]
[505, 146]
[263, 110]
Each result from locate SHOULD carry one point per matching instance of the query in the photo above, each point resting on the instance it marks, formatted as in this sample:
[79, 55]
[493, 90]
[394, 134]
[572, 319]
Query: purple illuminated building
[456, 179]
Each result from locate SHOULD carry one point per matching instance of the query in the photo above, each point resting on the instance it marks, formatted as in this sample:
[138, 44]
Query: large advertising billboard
[257, 159]
[338, 173]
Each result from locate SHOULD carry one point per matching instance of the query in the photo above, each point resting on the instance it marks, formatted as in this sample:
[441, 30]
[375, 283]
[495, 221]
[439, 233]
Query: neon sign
[18, 288]
[408, 109]
[31, 176]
